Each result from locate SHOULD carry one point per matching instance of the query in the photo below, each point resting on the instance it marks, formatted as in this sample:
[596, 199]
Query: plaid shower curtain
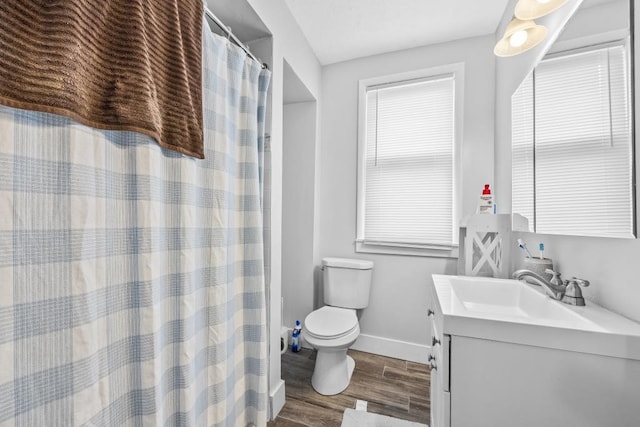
[132, 278]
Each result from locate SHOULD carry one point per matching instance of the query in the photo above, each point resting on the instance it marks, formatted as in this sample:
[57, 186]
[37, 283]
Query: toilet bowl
[331, 331]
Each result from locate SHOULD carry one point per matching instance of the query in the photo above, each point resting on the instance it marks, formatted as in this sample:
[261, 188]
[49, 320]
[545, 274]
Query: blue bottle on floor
[295, 337]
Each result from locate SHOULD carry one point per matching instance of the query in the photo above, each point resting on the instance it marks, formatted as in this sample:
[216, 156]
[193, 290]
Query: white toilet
[333, 328]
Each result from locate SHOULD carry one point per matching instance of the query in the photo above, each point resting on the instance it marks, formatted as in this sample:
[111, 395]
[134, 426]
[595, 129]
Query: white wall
[288, 44]
[298, 205]
[397, 311]
[610, 264]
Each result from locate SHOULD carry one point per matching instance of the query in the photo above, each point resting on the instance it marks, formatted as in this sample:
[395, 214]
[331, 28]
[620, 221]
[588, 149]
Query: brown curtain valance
[111, 64]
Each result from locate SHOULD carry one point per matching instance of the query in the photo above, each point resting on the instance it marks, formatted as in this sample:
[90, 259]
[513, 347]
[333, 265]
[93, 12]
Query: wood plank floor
[392, 387]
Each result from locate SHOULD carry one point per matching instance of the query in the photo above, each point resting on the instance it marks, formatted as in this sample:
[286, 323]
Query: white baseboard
[392, 348]
[276, 400]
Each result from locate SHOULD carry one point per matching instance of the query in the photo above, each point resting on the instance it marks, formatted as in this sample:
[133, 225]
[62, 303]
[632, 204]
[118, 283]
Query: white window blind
[409, 163]
[572, 145]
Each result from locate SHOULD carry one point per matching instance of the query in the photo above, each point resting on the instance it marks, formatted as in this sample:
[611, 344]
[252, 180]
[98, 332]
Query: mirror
[572, 129]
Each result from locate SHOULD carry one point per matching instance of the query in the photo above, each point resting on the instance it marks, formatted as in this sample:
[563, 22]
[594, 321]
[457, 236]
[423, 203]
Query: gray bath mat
[353, 418]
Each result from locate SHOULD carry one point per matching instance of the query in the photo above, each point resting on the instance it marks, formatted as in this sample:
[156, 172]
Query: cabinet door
[440, 397]
[436, 399]
[494, 383]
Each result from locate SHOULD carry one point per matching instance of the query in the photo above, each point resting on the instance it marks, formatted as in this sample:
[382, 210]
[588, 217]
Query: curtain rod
[236, 40]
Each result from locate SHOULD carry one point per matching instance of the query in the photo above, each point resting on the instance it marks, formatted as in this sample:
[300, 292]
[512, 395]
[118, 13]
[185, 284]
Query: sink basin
[518, 312]
[510, 299]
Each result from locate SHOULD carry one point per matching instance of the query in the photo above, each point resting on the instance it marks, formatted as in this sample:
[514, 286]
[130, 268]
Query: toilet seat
[328, 323]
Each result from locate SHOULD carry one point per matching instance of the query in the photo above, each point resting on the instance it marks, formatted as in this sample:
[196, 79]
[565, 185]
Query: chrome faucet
[567, 291]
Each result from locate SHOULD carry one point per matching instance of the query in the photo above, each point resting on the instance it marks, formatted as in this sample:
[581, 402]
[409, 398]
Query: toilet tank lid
[359, 264]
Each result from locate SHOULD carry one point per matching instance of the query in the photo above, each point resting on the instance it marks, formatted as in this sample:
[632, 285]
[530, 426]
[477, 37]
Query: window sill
[390, 249]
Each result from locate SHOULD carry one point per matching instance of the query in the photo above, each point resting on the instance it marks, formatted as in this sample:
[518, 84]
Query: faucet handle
[578, 282]
[573, 293]
[555, 280]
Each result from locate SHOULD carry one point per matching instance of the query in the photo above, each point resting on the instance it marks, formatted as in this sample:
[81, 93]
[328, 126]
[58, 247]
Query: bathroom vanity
[505, 354]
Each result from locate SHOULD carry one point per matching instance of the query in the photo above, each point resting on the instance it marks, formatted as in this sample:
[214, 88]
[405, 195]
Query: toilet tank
[347, 282]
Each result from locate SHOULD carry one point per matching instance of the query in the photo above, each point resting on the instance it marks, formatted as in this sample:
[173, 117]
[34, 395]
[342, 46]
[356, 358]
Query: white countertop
[512, 311]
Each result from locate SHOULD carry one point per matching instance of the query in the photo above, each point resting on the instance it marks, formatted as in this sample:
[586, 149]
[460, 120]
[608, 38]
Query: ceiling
[340, 30]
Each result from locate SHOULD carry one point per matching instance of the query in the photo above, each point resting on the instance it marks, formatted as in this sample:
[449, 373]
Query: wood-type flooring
[392, 387]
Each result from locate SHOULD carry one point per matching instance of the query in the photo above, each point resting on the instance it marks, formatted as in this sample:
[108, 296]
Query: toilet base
[332, 372]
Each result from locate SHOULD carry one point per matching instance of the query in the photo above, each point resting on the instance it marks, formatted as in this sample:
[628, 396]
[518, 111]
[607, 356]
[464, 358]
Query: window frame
[400, 248]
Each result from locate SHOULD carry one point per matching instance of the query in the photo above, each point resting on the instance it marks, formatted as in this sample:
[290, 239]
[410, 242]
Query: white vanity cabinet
[488, 371]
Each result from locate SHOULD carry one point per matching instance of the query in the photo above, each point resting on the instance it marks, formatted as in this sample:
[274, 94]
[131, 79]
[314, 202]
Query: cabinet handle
[434, 341]
[433, 367]
[431, 357]
[430, 313]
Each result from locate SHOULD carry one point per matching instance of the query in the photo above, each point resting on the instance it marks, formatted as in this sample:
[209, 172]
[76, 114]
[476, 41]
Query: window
[407, 203]
[572, 158]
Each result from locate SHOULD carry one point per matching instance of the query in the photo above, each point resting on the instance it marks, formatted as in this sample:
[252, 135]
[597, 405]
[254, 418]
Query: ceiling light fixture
[519, 36]
[534, 9]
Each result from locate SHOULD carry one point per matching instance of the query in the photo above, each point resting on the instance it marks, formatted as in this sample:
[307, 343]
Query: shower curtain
[132, 278]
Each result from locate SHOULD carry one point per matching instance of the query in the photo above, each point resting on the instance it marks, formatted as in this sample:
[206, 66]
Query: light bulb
[518, 38]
